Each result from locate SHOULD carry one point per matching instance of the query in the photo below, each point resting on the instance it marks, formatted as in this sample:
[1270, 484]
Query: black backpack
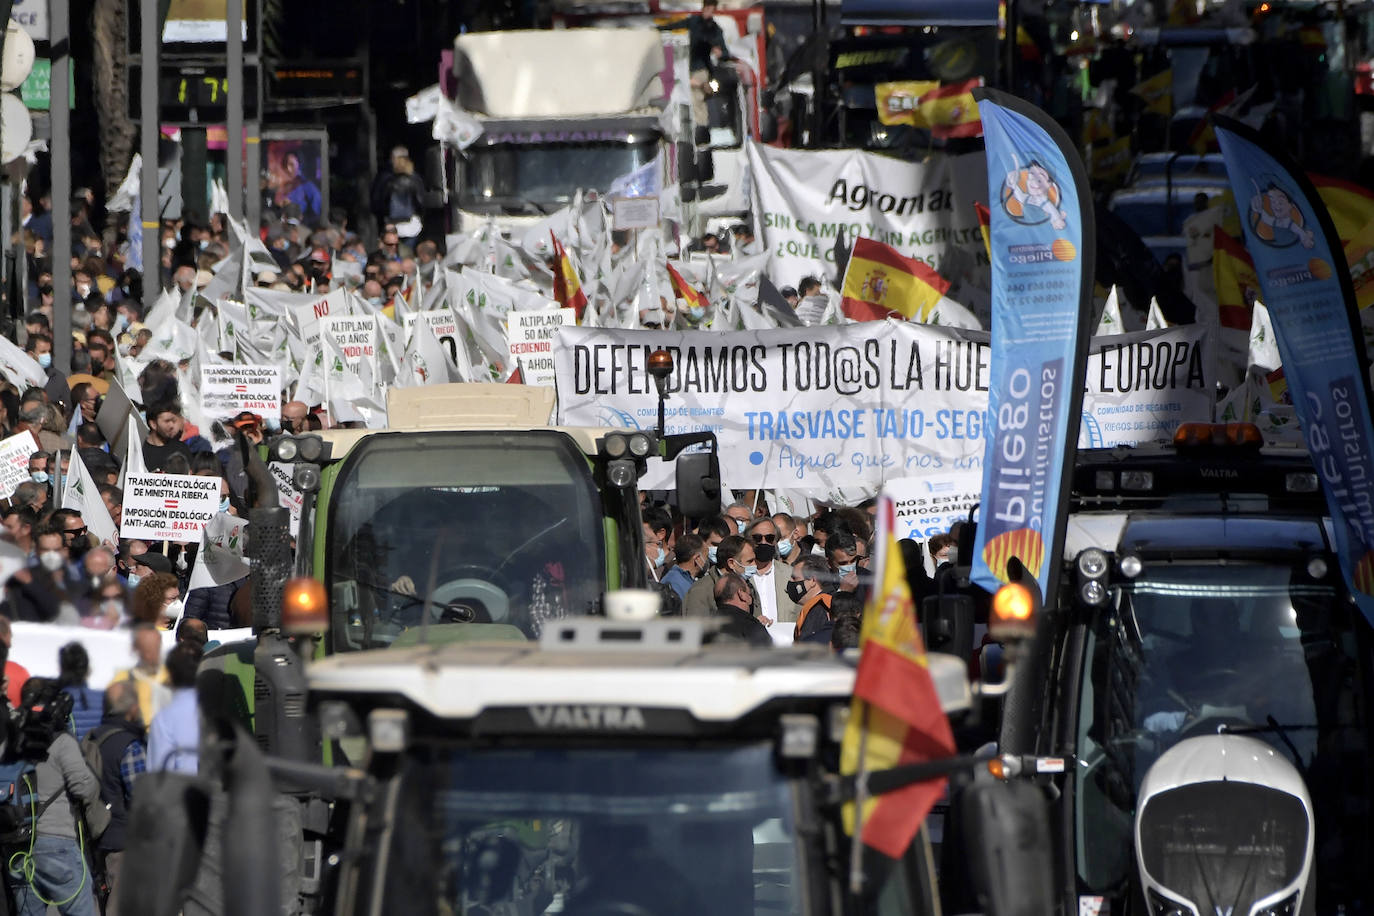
[43, 714]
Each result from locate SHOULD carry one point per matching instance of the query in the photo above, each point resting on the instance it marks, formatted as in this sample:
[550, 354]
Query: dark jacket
[112, 790]
[211, 604]
[742, 625]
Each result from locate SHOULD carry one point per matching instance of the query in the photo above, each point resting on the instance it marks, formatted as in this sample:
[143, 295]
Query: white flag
[1154, 319]
[82, 495]
[20, 368]
[1111, 317]
[220, 559]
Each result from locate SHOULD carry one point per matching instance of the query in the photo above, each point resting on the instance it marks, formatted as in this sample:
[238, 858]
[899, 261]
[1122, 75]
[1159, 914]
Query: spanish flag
[1350, 205]
[900, 102]
[567, 289]
[1157, 92]
[984, 226]
[1233, 275]
[895, 716]
[879, 281]
[950, 111]
[684, 290]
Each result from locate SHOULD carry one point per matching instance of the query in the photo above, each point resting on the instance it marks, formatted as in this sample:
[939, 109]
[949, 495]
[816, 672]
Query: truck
[1205, 675]
[545, 137]
[618, 765]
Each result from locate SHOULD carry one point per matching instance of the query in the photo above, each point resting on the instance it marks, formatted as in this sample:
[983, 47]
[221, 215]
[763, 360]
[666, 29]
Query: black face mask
[764, 553]
[796, 590]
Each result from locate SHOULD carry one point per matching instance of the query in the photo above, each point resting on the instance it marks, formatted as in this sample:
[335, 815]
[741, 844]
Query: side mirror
[166, 837]
[698, 484]
[1007, 847]
[947, 624]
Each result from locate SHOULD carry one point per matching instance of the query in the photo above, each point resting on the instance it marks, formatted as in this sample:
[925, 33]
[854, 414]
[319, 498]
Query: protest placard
[355, 336]
[14, 461]
[930, 504]
[530, 336]
[290, 497]
[227, 390]
[856, 405]
[168, 507]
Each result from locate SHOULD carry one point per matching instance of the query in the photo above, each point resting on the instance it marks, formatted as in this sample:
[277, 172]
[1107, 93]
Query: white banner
[925, 210]
[1141, 386]
[227, 390]
[806, 408]
[291, 498]
[930, 504]
[168, 507]
[14, 461]
[856, 405]
[530, 336]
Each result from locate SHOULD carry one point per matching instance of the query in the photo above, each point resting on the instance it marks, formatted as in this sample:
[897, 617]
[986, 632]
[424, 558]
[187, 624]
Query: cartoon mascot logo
[1276, 220]
[1031, 196]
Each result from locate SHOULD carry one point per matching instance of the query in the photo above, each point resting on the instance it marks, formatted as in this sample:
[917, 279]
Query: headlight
[286, 448]
[1317, 568]
[1163, 906]
[1131, 566]
[1092, 563]
[311, 448]
[640, 445]
[615, 446]
[1285, 907]
[621, 473]
[1093, 592]
[1138, 481]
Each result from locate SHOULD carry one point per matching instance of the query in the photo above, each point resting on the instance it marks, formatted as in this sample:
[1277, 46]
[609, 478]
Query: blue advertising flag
[1306, 285]
[1042, 261]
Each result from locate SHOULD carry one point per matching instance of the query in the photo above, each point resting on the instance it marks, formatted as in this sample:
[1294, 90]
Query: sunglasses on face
[764, 538]
[76, 532]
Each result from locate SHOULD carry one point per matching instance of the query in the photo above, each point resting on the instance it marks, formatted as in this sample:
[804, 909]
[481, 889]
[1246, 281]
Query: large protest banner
[1141, 386]
[227, 390]
[168, 507]
[805, 198]
[1307, 288]
[1042, 245]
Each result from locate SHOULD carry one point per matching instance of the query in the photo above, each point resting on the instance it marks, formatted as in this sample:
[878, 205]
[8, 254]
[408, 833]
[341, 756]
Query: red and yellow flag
[1157, 92]
[895, 717]
[951, 111]
[900, 102]
[567, 288]
[684, 290]
[1233, 275]
[1351, 206]
[879, 281]
[984, 226]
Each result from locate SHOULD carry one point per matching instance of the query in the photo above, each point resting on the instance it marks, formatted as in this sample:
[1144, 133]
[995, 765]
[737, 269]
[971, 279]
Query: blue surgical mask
[45, 360]
[751, 571]
[784, 548]
[120, 323]
[224, 504]
[847, 569]
[711, 554]
[661, 558]
[134, 579]
[739, 523]
[696, 312]
[39, 477]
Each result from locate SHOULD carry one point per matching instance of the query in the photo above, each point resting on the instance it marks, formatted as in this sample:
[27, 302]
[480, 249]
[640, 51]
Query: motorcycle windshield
[1223, 846]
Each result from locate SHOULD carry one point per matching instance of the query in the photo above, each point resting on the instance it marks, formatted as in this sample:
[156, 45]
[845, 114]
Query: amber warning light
[305, 607]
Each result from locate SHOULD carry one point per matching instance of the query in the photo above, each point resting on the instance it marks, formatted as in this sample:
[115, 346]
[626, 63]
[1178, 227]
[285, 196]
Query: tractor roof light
[1218, 435]
[304, 607]
[1013, 615]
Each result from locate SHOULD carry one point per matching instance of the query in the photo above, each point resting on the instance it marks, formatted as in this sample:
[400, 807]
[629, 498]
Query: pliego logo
[589, 718]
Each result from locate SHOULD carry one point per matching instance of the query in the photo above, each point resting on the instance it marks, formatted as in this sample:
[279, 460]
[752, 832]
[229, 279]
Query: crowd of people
[754, 569]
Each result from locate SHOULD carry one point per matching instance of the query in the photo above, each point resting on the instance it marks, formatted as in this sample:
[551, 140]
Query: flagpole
[856, 849]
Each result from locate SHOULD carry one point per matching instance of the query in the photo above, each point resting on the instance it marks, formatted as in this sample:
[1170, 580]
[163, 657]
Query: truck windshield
[1263, 650]
[538, 178]
[493, 527]
[658, 831]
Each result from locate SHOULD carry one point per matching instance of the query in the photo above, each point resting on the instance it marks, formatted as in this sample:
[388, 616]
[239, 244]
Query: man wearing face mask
[787, 537]
[734, 554]
[75, 534]
[842, 550]
[39, 349]
[40, 593]
[807, 587]
[771, 578]
[690, 557]
[741, 515]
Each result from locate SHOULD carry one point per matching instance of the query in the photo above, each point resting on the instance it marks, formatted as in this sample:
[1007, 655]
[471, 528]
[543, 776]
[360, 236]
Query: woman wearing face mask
[107, 605]
[157, 600]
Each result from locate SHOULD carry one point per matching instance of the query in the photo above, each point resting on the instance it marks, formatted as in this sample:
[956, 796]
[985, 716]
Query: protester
[690, 564]
[74, 667]
[734, 604]
[174, 735]
[148, 676]
[119, 739]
